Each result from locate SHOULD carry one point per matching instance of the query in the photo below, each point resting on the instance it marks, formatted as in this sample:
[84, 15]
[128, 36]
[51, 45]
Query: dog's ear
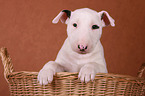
[106, 19]
[62, 16]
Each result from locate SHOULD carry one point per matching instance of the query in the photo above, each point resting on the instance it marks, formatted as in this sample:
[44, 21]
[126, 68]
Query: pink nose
[82, 47]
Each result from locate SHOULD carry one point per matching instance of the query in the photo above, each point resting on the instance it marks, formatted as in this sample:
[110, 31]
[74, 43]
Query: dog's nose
[82, 47]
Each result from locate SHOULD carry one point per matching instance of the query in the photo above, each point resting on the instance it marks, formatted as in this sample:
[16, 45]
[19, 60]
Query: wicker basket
[67, 84]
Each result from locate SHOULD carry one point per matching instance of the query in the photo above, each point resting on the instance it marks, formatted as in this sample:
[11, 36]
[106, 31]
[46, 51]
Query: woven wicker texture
[67, 84]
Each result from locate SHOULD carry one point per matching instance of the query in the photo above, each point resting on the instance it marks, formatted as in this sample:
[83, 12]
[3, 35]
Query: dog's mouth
[82, 52]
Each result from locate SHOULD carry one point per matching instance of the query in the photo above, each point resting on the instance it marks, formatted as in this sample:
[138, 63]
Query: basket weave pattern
[67, 84]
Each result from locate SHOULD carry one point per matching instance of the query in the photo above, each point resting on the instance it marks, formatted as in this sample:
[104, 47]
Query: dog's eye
[95, 27]
[75, 25]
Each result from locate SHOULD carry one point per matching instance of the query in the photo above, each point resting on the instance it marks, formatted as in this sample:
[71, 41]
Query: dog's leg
[88, 71]
[45, 75]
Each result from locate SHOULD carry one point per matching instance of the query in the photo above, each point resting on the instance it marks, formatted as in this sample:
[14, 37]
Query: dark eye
[75, 25]
[95, 27]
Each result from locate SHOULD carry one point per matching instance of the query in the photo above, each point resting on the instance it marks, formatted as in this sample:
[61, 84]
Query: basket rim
[73, 75]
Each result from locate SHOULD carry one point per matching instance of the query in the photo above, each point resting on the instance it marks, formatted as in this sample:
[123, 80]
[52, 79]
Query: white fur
[70, 58]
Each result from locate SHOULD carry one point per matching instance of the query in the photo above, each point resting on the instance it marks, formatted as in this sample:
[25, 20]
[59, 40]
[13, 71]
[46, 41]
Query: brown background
[32, 40]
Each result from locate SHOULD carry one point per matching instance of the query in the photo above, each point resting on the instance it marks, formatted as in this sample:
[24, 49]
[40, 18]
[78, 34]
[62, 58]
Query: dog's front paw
[86, 74]
[45, 76]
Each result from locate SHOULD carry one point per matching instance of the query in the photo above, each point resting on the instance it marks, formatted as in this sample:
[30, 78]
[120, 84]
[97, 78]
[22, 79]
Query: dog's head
[84, 27]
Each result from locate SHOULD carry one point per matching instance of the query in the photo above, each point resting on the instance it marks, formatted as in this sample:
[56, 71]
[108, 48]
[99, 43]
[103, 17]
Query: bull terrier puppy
[82, 50]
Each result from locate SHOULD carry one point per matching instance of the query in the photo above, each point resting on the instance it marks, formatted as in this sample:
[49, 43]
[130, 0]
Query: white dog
[82, 50]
